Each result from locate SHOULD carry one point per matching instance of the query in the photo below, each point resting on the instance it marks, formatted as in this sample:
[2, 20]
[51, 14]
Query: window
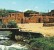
[18, 14]
[18, 19]
[13, 14]
[52, 14]
[21, 20]
[39, 20]
[35, 15]
[29, 18]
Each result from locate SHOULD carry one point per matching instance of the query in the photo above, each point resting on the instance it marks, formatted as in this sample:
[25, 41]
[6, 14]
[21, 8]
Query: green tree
[30, 11]
[12, 11]
[12, 24]
[3, 12]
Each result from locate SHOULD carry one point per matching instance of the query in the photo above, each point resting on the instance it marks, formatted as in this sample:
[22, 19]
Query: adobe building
[34, 18]
[19, 17]
[48, 18]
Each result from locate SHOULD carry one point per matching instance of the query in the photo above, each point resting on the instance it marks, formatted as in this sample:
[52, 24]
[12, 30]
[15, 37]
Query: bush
[12, 24]
[3, 26]
[42, 43]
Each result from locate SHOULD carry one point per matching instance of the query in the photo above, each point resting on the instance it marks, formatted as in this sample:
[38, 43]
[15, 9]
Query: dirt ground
[37, 27]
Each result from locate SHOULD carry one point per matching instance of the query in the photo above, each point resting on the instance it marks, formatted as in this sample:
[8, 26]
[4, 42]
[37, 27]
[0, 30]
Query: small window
[13, 14]
[34, 15]
[52, 14]
[29, 18]
[18, 14]
[18, 19]
[39, 20]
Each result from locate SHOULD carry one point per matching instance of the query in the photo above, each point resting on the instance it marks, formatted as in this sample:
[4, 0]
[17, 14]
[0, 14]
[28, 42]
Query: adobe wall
[48, 19]
[20, 18]
[13, 16]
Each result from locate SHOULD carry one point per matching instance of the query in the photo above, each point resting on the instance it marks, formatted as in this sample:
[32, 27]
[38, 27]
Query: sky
[23, 5]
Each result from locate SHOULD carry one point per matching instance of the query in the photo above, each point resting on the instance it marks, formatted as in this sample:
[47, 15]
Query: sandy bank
[37, 27]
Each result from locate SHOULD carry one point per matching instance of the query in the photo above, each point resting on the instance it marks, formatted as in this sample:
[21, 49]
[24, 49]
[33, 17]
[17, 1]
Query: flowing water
[12, 46]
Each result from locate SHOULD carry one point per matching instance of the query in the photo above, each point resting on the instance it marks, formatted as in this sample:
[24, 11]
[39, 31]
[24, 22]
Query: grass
[42, 43]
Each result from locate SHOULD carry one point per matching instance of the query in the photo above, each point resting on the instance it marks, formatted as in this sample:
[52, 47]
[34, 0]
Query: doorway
[21, 20]
[39, 20]
[0, 21]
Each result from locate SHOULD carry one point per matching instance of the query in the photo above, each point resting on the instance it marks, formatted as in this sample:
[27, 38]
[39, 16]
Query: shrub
[12, 24]
[42, 43]
[3, 26]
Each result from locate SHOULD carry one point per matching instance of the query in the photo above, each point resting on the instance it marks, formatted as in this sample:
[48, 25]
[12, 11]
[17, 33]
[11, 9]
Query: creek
[7, 44]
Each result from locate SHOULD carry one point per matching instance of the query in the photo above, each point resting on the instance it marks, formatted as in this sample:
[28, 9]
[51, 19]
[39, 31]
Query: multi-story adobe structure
[34, 18]
[17, 17]
[20, 17]
[48, 17]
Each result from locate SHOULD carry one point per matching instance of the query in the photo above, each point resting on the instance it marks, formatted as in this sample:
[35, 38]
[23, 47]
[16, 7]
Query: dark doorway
[0, 21]
[39, 20]
[21, 20]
